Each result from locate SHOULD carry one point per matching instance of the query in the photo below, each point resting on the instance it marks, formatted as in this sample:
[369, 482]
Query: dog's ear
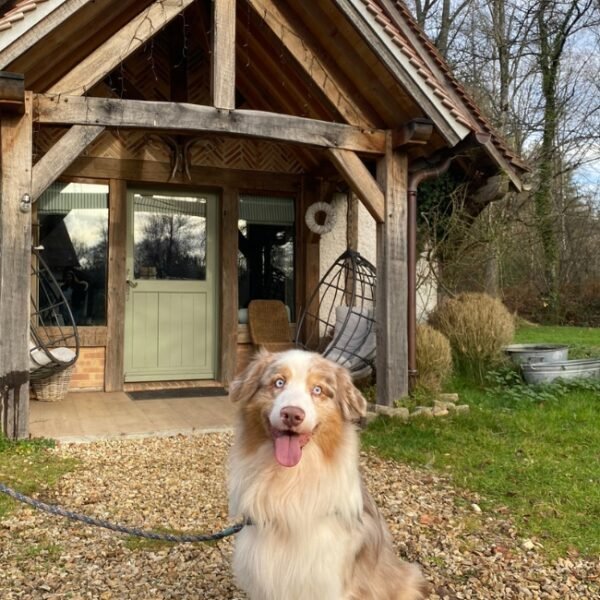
[352, 402]
[244, 386]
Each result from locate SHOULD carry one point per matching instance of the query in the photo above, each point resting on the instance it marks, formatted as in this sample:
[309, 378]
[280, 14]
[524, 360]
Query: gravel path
[177, 483]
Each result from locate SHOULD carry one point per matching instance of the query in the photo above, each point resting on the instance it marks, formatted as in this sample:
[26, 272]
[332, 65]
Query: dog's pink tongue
[287, 450]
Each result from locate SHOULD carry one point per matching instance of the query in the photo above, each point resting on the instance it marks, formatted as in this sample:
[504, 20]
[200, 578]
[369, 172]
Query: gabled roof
[417, 80]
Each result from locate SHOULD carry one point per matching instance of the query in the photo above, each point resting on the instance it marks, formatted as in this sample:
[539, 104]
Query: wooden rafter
[61, 155]
[171, 116]
[323, 24]
[87, 74]
[325, 77]
[46, 24]
[403, 70]
[256, 99]
[359, 179]
[118, 47]
[260, 59]
[223, 55]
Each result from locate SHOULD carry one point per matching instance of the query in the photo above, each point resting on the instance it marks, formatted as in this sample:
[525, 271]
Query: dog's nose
[292, 416]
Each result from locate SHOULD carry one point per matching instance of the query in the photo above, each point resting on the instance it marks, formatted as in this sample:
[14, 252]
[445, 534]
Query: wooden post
[117, 275]
[391, 301]
[223, 59]
[229, 283]
[352, 222]
[308, 259]
[15, 270]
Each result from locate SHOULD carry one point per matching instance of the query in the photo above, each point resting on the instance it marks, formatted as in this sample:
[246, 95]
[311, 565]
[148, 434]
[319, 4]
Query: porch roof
[414, 80]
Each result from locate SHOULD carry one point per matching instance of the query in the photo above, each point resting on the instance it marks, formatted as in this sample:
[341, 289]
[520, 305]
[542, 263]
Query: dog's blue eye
[279, 383]
[317, 390]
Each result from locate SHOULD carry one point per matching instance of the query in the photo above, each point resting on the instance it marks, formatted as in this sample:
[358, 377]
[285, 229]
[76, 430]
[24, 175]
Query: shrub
[434, 359]
[477, 326]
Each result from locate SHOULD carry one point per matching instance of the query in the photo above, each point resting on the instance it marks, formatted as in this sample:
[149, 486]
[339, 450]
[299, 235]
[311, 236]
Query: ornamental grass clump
[478, 327]
[434, 359]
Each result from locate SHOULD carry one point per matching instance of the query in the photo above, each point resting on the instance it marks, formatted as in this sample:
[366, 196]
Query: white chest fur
[306, 522]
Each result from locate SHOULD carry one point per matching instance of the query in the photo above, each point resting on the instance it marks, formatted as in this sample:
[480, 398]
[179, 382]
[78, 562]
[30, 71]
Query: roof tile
[17, 12]
[466, 110]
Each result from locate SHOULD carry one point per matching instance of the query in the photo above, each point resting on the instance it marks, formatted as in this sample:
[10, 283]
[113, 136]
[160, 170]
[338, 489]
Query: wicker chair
[269, 325]
[339, 318]
[53, 335]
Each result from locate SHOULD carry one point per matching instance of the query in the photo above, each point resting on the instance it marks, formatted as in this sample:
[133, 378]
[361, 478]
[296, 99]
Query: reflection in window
[73, 230]
[169, 236]
[266, 234]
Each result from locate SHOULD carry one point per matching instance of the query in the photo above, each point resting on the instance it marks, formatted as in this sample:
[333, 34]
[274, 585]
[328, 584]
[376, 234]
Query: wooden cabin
[164, 153]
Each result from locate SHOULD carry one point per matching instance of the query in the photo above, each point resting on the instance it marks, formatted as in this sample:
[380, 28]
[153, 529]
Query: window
[266, 232]
[73, 230]
[169, 236]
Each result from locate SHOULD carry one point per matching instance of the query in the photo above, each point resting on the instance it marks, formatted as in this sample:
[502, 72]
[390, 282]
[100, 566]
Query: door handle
[131, 283]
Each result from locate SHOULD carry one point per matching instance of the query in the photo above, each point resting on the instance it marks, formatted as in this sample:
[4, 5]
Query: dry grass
[478, 327]
[434, 359]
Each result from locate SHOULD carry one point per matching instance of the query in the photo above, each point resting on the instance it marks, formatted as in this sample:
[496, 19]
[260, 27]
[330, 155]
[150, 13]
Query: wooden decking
[89, 416]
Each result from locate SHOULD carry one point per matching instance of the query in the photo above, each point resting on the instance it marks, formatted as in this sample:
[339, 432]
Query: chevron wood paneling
[254, 155]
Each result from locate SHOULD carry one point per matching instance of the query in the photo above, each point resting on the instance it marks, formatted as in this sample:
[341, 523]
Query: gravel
[179, 484]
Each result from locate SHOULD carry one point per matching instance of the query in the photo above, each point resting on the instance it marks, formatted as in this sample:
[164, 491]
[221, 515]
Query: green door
[170, 322]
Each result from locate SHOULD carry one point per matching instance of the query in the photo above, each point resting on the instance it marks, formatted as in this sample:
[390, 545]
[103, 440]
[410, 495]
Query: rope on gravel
[151, 535]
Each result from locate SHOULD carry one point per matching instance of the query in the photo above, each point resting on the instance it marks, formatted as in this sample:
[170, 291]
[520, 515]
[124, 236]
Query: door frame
[212, 267]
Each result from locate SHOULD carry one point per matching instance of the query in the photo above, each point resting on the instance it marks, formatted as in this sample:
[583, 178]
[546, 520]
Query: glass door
[170, 323]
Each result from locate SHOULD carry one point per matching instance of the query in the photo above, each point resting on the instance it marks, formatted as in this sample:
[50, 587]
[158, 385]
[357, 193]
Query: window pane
[266, 250]
[169, 236]
[73, 229]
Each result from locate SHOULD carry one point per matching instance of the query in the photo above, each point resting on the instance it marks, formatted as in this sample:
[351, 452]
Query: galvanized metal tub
[535, 373]
[536, 353]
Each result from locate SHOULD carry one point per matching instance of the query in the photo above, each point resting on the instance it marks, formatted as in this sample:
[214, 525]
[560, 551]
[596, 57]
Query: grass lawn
[27, 466]
[582, 341]
[534, 455]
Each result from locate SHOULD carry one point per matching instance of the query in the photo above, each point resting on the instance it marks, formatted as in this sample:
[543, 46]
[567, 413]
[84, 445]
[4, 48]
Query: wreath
[311, 222]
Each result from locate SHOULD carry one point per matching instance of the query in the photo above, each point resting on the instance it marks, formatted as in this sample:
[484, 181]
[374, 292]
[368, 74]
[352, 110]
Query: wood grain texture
[392, 277]
[61, 155]
[403, 70]
[287, 29]
[116, 286]
[223, 56]
[15, 268]
[154, 172]
[42, 28]
[228, 242]
[171, 116]
[357, 176]
[117, 48]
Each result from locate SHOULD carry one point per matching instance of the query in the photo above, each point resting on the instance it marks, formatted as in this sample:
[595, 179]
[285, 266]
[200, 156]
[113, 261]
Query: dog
[312, 530]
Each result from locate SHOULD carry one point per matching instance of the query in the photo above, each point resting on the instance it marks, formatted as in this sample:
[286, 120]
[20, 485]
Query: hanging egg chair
[53, 336]
[339, 319]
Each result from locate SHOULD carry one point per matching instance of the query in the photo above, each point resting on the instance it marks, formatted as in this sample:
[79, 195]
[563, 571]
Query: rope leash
[150, 535]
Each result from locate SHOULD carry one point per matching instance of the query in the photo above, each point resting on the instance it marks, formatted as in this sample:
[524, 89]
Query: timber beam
[12, 93]
[60, 156]
[360, 180]
[286, 29]
[392, 280]
[223, 54]
[117, 48]
[193, 118]
[414, 133]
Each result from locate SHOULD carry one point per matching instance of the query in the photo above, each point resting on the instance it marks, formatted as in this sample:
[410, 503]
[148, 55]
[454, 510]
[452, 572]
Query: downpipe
[414, 180]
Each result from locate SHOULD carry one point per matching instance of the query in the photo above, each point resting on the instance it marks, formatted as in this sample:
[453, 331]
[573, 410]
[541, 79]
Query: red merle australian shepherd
[313, 531]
